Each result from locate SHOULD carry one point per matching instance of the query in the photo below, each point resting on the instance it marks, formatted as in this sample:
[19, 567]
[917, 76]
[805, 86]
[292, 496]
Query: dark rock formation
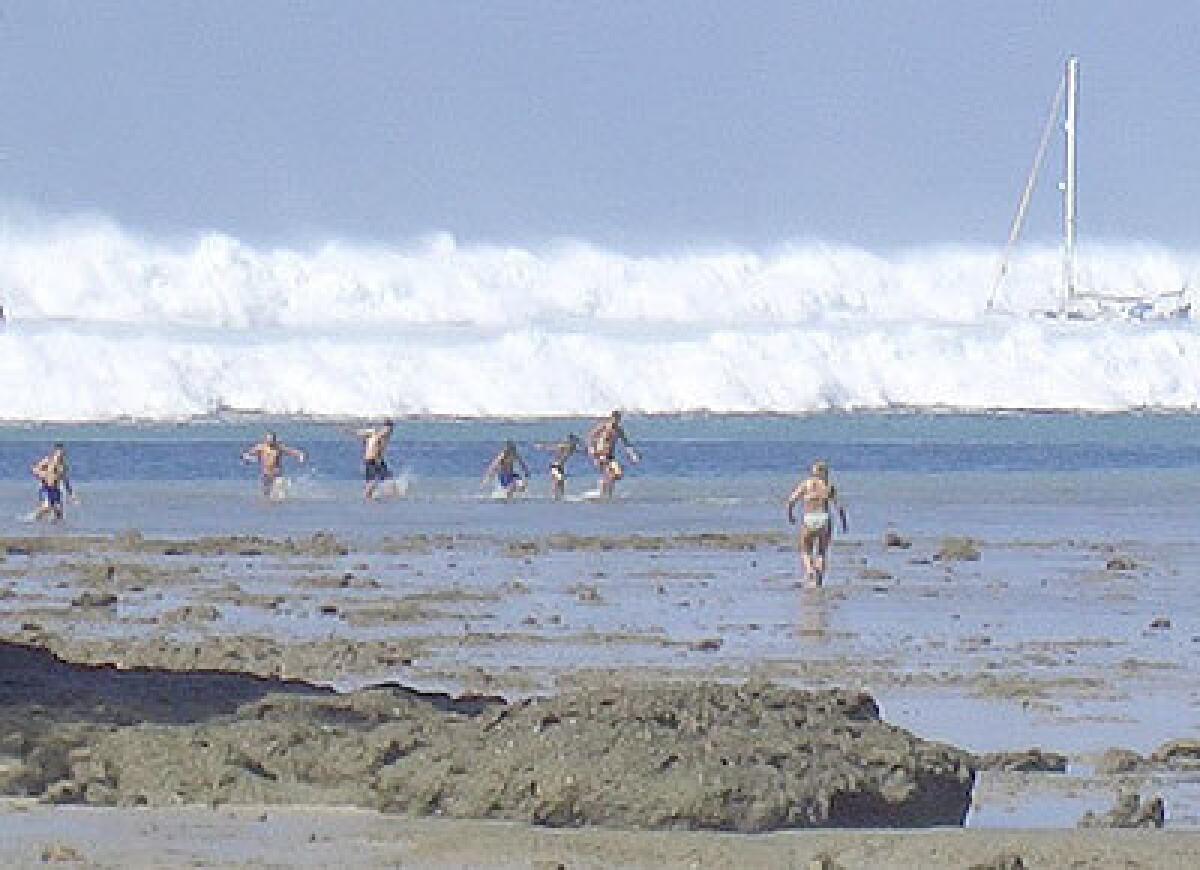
[1003, 861]
[1129, 812]
[1182, 754]
[754, 757]
[749, 758]
[958, 550]
[1117, 760]
[1025, 760]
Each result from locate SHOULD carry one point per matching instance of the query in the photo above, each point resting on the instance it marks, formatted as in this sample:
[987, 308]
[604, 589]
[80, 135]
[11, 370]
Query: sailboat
[1075, 303]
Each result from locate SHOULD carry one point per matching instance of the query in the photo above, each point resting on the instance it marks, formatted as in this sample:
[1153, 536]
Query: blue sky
[633, 124]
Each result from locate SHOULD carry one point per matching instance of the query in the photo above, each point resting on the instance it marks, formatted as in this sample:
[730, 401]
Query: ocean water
[1012, 475]
[106, 324]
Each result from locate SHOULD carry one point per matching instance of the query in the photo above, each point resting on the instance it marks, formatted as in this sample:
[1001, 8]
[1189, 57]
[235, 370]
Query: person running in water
[504, 469]
[270, 452]
[563, 451]
[375, 445]
[818, 498]
[602, 445]
[54, 477]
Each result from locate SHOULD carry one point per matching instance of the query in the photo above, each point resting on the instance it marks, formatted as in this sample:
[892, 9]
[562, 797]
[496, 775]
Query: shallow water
[1037, 643]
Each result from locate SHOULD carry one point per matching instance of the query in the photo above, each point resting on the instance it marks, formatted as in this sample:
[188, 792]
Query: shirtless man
[270, 452]
[602, 445]
[54, 477]
[562, 450]
[504, 469]
[818, 497]
[375, 445]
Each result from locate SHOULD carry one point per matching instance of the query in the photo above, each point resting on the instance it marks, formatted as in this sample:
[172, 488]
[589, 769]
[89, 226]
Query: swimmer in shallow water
[563, 451]
[505, 469]
[818, 498]
[602, 445]
[270, 452]
[54, 477]
[375, 445]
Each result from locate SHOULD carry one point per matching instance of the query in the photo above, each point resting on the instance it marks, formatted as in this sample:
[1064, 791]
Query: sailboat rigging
[1075, 303]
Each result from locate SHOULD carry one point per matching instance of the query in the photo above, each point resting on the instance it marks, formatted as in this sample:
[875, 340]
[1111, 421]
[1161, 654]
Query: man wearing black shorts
[375, 445]
[562, 450]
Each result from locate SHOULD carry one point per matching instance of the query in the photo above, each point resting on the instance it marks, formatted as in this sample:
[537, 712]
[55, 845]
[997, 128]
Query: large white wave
[105, 324]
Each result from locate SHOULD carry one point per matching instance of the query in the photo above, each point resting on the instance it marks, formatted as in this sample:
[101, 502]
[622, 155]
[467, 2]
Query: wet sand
[1077, 646]
[1059, 632]
[261, 837]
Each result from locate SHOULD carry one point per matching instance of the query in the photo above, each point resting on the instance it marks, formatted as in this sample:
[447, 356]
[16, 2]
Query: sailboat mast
[1069, 194]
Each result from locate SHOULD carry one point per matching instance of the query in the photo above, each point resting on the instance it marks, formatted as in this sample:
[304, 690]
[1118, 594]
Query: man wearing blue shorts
[505, 469]
[53, 477]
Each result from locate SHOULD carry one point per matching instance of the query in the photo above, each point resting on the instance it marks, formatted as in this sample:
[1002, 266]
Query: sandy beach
[261, 837]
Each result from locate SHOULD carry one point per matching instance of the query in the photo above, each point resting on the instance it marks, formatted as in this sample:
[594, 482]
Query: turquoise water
[1013, 475]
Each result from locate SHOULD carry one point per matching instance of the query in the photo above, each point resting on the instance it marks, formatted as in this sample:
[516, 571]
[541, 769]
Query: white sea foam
[105, 324]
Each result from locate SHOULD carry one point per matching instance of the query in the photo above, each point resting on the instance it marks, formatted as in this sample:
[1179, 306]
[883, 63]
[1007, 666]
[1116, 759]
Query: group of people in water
[815, 494]
[508, 468]
[511, 472]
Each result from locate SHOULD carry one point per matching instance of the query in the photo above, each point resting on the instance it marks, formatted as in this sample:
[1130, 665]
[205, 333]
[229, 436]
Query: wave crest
[107, 324]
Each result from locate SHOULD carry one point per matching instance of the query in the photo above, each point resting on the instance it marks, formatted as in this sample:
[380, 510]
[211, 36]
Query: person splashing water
[270, 452]
[602, 444]
[504, 469]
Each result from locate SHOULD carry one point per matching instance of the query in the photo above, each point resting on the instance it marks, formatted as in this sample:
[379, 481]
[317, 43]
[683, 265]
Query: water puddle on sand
[1051, 800]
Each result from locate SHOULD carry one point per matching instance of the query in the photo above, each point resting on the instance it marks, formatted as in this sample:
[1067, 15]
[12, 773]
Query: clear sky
[648, 124]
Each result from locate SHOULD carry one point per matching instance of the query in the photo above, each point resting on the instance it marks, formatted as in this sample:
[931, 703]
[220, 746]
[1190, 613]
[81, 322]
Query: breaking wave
[104, 324]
